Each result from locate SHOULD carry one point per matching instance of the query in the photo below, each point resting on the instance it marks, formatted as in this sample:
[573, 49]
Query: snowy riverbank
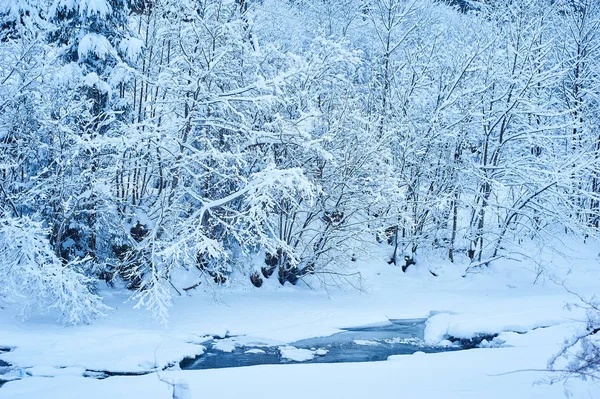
[531, 319]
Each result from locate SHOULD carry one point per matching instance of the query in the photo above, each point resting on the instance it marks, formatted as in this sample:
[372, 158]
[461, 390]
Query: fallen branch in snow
[481, 263]
[553, 371]
[192, 287]
[345, 277]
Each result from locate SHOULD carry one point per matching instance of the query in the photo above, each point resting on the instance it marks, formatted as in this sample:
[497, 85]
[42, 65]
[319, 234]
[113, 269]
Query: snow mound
[296, 354]
[138, 351]
[225, 345]
[440, 327]
[231, 343]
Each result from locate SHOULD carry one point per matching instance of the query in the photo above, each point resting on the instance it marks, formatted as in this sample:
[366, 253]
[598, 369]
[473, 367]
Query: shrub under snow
[33, 273]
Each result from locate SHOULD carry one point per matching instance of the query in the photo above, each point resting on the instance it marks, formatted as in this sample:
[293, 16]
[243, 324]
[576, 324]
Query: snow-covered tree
[38, 280]
[168, 140]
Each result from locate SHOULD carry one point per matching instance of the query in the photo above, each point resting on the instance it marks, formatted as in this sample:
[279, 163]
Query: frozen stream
[360, 344]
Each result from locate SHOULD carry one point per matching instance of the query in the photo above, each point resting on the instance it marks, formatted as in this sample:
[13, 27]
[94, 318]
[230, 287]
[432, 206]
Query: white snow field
[532, 321]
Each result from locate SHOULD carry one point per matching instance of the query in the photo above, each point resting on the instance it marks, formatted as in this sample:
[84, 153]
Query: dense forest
[144, 140]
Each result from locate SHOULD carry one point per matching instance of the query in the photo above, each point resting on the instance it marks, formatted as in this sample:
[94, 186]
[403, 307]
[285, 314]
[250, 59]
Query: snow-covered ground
[532, 321]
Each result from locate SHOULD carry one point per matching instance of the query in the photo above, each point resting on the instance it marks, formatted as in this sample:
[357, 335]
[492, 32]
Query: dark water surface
[360, 344]
[4, 367]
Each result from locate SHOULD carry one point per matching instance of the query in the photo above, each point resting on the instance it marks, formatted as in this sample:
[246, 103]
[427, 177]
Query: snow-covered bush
[34, 276]
[175, 243]
[580, 354]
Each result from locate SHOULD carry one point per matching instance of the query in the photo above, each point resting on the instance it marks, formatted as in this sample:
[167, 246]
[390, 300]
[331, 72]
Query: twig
[192, 287]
